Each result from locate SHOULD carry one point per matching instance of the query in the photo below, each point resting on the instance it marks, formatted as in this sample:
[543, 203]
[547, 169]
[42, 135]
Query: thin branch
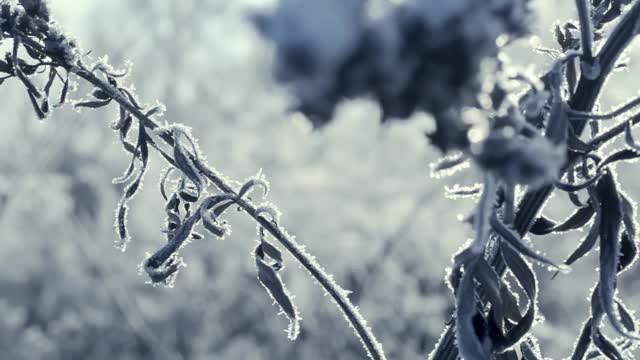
[339, 295]
[588, 64]
[581, 115]
[613, 132]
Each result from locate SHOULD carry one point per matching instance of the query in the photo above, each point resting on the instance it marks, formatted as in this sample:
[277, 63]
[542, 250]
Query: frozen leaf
[163, 181]
[215, 227]
[542, 225]
[131, 189]
[513, 239]
[278, 292]
[610, 224]
[471, 332]
[587, 244]
[628, 252]
[576, 220]
[181, 234]
[628, 136]
[93, 104]
[527, 280]
[185, 164]
[253, 182]
[490, 283]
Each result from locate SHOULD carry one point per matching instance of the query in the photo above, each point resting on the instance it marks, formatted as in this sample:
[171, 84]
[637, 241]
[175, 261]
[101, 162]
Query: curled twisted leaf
[271, 281]
[116, 125]
[610, 224]
[131, 189]
[460, 260]
[628, 137]
[165, 272]
[527, 280]
[185, 164]
[268, 249]
[270, 210]
[573, 187]
[215, 227]
[510, 302]
[253, 182]
[161, 256]
[490, 282]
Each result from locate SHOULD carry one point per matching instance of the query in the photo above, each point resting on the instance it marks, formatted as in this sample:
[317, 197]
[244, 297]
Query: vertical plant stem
[586, 30]
[584, 99]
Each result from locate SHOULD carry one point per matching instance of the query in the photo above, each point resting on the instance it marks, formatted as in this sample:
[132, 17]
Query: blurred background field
[357, 194]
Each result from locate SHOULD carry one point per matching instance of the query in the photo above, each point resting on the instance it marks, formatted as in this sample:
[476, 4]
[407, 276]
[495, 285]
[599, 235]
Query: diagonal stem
[338, 294]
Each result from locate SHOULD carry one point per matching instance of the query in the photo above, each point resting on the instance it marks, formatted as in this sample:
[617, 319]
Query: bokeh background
[357, 194]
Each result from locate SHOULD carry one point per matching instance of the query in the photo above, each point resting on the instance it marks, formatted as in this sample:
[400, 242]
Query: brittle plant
[524, 132]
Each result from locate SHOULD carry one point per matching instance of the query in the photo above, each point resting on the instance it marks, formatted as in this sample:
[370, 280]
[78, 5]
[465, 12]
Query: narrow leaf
[471, 339]
[514, 240]
[93, 104]
[271, 281]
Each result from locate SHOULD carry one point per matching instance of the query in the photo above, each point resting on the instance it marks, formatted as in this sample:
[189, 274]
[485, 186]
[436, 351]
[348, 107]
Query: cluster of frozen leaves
[191, 198]
[478, 268]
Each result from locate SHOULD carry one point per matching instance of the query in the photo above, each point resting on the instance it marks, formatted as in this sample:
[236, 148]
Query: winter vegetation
[354, 123]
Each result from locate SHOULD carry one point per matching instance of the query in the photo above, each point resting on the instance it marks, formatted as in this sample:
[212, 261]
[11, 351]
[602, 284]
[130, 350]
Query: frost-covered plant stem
[584, 99]
[588, 64]
[338, 294]
[614, 131]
